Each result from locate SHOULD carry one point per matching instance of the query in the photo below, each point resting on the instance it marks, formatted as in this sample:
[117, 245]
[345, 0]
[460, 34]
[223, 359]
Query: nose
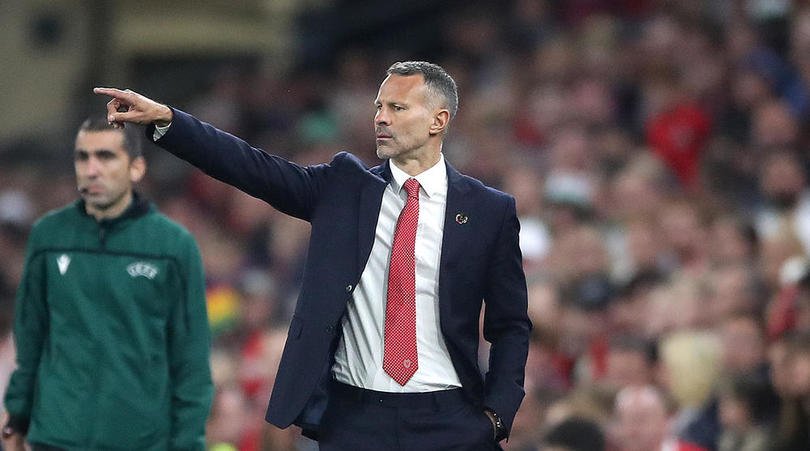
[381, 118]
[92, 168]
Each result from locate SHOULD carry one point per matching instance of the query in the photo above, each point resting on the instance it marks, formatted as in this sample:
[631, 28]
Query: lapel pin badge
[461, 218]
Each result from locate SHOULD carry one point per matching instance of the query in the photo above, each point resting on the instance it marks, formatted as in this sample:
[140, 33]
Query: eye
[398, 108]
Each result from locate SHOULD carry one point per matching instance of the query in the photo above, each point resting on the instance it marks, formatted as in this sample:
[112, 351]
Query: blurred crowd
[658, 153]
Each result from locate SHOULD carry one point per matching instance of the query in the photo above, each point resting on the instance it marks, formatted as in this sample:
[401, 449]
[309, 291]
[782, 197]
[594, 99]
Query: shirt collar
[433, 180]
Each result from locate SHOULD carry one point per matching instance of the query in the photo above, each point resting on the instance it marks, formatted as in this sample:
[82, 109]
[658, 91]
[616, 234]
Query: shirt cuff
[160, 131]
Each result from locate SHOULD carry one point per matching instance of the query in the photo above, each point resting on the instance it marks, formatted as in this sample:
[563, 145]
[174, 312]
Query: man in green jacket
[110, 323]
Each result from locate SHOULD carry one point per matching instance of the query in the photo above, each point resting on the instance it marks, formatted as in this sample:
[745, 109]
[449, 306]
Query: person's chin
[384, 152]
[96, 200]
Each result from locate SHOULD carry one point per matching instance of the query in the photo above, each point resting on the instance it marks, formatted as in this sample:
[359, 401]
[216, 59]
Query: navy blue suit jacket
[480, 260]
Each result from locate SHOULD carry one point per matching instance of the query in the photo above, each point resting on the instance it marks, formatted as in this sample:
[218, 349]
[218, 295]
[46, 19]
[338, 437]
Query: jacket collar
[454, 178]
[137, 208]
[432, 181]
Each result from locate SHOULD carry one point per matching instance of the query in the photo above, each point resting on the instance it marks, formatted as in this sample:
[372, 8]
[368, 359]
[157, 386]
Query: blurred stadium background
[658, 151]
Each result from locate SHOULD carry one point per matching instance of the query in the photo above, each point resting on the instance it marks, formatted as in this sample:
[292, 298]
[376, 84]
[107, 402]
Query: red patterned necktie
[399, 359]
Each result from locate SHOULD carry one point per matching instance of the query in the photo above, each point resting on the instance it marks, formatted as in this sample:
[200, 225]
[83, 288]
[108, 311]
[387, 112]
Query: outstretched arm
[288, 187]
[129, 106]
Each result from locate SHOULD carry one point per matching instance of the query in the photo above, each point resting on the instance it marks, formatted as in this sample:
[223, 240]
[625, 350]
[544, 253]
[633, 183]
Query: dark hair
[753, 390]
[436, 79]
[577, 434]
[640, 283]
[132, 134]
[637, 344]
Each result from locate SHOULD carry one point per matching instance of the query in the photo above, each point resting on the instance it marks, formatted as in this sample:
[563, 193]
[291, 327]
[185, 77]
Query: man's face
[742, 345]
[627, 367]
[404, 116]
[641, 422]
[104, 171]
[799, 367]
[782, 181]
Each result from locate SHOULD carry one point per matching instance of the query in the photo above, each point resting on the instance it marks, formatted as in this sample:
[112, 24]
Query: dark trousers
[359, 420]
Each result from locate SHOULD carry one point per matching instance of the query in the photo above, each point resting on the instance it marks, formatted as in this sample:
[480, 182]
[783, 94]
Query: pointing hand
[129, 106]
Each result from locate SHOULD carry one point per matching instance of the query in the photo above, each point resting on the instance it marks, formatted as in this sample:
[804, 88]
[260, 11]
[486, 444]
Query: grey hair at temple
[437, 80]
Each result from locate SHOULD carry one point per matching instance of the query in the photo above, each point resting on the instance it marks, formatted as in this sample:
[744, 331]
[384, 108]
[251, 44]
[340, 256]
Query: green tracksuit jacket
[112, 334]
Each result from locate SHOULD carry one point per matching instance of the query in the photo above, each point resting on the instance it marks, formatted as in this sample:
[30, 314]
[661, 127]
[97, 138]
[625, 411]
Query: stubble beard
[104, 201]
[385, 152]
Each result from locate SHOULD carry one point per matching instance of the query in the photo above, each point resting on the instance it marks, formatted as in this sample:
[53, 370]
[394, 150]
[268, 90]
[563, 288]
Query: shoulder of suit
[348, 162]
[479, 187]
[344, 157]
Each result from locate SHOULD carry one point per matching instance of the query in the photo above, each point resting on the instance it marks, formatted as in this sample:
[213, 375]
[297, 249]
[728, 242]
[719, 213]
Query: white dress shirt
[359, 355]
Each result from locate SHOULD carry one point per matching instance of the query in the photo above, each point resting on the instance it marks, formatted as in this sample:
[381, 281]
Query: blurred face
[773, 126]
[727, 243]
[682, 229]
[743, 347]
[524, 184]
[749, 89]
[404, 117]
[628, 314]
[544, 307]
[641, 420]
[733, 413]
[627, 368]
[783, 181]
[730, 293]
[589, 253]
[642, 244]
[104, 172]
[799, 368]
[635, 196]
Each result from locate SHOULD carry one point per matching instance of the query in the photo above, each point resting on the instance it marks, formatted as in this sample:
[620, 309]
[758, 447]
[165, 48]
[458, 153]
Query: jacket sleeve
[30, 333]
[189, 352]
[290, 188]
[506, 322]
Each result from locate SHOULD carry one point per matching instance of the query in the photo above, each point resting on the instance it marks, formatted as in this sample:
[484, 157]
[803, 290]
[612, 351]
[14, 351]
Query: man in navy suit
[382, 351]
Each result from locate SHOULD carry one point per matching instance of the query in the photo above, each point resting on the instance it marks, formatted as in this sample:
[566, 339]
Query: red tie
[399, 359]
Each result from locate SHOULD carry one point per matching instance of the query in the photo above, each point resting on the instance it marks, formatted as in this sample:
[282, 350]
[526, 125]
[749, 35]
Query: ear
[441, 119]
[137, 169]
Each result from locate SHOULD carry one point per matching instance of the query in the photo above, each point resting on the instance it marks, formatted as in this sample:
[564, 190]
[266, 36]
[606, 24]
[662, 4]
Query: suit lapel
[369, 211]
[453, 242]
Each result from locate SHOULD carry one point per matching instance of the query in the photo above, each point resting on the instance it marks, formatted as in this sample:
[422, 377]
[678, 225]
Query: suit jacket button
[348, 288]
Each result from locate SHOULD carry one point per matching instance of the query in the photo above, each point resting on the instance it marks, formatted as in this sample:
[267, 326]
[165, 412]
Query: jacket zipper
[102, 234]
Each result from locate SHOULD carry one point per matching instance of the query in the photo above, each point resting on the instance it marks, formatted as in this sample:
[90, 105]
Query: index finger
[114, 92]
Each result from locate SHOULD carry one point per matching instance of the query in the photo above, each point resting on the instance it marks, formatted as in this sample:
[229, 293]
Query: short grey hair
[437, 80]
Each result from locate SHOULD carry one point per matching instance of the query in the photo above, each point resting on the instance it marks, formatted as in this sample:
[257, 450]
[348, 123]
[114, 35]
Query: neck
[111, 212]
[417, 164]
